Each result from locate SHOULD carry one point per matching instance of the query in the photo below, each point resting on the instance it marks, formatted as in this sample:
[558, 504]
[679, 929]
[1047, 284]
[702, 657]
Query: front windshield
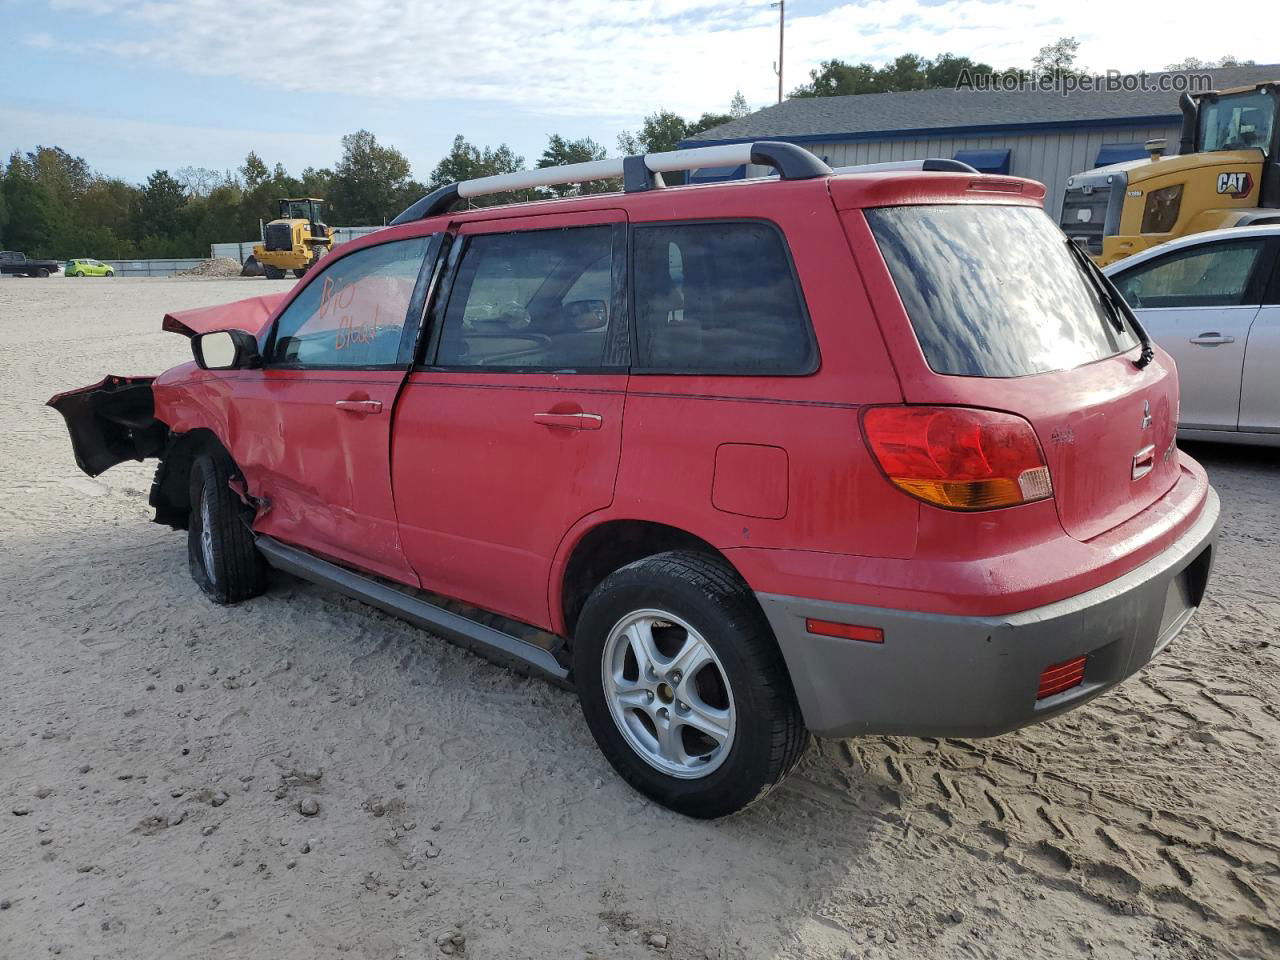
[298, 210]
[1238, 121]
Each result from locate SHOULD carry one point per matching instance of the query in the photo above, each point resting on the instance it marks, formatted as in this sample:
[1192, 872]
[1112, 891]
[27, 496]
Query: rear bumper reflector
[844, 631]
[1061, 676]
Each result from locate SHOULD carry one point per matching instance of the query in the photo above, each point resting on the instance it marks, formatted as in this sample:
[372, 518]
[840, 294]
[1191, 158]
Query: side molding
[486, 641]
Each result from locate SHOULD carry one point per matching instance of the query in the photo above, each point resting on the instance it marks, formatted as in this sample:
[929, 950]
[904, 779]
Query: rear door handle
[360, 407]
[1212, 339]
[570, 421]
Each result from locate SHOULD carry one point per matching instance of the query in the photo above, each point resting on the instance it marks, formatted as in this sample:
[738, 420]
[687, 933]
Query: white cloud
[117, 144]
[619, 59]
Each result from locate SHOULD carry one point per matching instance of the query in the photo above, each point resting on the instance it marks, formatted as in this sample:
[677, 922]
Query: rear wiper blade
[1117, 309]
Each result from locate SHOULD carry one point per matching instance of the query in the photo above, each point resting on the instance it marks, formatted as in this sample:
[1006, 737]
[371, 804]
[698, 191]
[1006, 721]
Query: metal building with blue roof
[1040, 134]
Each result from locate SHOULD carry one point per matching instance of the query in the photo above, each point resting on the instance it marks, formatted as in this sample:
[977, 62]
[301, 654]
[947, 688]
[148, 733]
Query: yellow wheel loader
[293, 241]
[1226, 174]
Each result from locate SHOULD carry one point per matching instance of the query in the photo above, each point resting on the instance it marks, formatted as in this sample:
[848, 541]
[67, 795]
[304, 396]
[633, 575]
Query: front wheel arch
[170, 490]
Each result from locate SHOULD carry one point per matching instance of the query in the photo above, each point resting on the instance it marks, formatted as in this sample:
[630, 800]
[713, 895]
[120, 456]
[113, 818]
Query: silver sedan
[1212, 300]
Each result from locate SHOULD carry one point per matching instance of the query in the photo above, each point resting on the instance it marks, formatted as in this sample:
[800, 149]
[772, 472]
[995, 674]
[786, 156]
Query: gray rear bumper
[940, 675]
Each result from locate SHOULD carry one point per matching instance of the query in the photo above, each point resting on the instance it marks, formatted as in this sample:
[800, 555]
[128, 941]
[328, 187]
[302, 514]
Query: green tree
[30, 209]
[465, 161]
[945, 70]
[368, 179]
[1195, 63]
[1058, 57]
[835, 78]
[738, 106]
[158, 206]
[560, 152]
[254, 171]
[317, 182]
[662, 131]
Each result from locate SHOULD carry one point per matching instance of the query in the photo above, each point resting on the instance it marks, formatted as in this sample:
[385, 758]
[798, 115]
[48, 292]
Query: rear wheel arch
[610, 546]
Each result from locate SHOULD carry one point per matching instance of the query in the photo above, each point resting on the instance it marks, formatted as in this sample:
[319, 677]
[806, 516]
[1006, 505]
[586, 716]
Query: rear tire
[706, 741]
[300, 272]
[221, 554]
[42, 273]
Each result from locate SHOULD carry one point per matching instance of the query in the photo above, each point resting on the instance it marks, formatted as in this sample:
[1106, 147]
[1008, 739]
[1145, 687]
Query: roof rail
[933, 164]
[638, 173]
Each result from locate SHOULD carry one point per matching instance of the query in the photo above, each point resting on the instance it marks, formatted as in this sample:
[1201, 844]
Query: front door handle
[1212, 339]
[570, 421]
[360, 407]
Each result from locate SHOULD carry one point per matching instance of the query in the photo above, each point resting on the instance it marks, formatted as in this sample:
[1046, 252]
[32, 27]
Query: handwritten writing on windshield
[336, 297]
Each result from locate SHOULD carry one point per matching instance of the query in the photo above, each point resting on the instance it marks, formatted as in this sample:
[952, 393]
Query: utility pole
[782, 26]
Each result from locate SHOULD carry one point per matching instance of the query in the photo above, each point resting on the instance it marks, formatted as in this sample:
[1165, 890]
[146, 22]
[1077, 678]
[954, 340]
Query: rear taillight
[958, 457]
[1061, 676]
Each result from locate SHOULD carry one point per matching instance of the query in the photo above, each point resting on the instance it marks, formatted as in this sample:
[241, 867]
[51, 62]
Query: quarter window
[537, 299]
[353, 315]
[718, 298]
[1213, 276]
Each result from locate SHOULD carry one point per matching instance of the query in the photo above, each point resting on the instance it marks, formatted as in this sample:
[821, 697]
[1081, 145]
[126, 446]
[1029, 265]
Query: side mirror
[226, 350]
[587, 314]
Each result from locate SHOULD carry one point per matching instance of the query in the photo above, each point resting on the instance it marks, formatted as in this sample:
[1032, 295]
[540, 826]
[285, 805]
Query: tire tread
[240, 570]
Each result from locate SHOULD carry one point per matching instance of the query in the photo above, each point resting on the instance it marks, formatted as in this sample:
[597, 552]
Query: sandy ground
[156, 750]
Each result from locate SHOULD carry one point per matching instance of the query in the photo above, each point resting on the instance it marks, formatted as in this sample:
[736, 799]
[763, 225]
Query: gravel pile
[218, 267]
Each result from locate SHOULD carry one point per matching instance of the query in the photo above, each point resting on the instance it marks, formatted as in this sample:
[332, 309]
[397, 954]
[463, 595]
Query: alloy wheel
[669, 694]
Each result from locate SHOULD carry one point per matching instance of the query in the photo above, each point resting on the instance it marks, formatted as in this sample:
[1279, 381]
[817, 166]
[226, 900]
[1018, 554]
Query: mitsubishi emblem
[1146, 414]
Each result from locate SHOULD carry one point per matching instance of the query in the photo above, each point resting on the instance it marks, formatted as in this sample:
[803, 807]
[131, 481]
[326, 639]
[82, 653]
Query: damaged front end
[116, 419]
[111, 422]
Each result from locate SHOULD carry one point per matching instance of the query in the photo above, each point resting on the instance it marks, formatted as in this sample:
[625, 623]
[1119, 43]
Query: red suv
[869, 452]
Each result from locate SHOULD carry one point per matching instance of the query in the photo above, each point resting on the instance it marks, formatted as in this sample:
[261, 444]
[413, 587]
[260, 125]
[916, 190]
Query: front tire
[221, 554]
[42, 273]
[273, 273]
[683, 686]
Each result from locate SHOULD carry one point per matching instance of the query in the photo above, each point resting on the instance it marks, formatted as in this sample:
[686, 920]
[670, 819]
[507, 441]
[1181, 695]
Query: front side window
[353, 314]
[994, 291]
[536, 299]
[719, 298]
[1212, 276]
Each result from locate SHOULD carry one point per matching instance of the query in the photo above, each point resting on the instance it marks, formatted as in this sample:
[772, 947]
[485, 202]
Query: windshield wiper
[1118, 311]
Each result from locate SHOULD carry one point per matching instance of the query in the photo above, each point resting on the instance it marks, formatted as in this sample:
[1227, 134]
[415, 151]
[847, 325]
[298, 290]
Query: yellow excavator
[293, 241]
[1226, 174]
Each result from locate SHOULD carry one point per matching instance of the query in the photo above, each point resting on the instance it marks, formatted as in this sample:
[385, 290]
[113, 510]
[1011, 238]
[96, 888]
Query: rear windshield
[993, 291]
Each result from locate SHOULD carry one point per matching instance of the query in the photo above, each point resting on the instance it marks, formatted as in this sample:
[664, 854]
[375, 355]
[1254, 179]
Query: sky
[139, 85]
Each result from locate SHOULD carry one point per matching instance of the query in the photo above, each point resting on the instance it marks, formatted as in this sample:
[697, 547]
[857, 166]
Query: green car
[88, 268]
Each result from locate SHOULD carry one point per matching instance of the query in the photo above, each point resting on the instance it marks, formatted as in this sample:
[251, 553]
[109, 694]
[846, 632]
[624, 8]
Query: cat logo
[1235, 184]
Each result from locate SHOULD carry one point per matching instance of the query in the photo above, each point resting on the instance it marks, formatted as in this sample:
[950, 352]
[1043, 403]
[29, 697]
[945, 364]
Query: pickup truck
[13, 262]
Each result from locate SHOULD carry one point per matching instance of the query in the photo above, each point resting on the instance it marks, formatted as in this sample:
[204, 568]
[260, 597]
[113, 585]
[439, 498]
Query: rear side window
[1216, 275]
[993, 291]
[534, 300]
[719, 298]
